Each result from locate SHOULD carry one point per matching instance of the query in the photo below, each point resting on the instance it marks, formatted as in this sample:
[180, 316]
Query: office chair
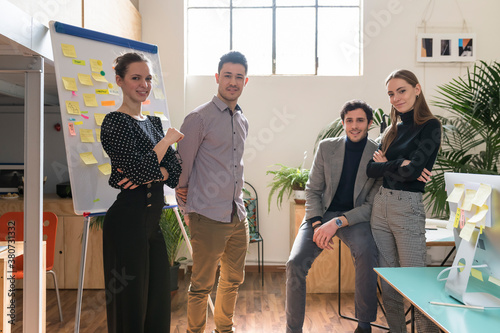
[49, 236]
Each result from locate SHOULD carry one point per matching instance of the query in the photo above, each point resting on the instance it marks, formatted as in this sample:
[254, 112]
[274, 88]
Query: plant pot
[174, 274]
[300, 196]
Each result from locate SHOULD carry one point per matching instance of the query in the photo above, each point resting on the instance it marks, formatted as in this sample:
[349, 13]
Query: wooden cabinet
[68, 245]
[323, 275]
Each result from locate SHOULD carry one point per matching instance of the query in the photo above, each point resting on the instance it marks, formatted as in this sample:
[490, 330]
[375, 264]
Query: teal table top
[420, 286]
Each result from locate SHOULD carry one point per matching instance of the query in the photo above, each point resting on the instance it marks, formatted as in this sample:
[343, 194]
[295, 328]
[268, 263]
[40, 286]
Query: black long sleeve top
[129, 144]
[417, 143]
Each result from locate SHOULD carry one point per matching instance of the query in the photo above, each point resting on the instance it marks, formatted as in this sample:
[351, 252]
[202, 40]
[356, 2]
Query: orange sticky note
[107, 103]
[68, 50]
[146, 102]
[73, 107]
[71, 128]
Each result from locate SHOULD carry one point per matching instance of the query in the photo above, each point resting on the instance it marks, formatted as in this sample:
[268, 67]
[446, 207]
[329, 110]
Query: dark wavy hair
[357, 104]
[234, 57]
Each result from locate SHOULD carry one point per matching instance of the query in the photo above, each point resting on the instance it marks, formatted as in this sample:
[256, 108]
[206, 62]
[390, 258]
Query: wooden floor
[259, 309]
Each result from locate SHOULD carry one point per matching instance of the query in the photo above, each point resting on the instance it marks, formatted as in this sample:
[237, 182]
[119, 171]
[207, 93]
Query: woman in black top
[136, 268]
[405, 158]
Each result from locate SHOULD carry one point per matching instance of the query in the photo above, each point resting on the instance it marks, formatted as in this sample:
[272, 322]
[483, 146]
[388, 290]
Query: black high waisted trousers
[136, 268]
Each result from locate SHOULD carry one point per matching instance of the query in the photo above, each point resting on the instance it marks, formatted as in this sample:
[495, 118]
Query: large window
[293, 37]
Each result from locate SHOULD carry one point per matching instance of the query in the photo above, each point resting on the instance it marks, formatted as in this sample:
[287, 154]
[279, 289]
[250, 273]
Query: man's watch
[338, 222]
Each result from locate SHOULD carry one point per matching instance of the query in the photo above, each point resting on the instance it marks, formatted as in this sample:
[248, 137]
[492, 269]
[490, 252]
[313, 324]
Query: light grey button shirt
[212, 160]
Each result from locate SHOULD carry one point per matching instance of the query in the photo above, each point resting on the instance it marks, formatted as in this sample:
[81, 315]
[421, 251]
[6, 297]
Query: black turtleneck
[417, 143]
[344, 196]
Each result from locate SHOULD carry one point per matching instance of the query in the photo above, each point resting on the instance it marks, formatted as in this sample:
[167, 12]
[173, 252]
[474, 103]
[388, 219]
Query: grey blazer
[325, 176]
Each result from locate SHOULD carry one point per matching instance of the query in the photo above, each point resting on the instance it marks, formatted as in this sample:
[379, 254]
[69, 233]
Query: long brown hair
[421, 113]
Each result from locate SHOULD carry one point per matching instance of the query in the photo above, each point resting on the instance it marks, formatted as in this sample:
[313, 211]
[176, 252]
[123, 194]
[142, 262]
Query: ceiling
[12, 85]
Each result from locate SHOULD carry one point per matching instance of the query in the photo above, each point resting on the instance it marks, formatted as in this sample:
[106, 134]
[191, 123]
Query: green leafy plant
[471, 136]
[173, 234]
[285, 180]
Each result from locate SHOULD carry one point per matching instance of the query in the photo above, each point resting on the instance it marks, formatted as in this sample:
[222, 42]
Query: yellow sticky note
[85, 79]
[78, 122]
[87, 135]
[102, 91]
[477, 274]
[88, 158]
[98, 134]
[456, 194]
[96, 200]
[69, 83]
[467, 231]
[146, 113]
[467, 204]
[68, 50]
[483, 192]
[158, 93]
[105, 168]
[457, 218]
[89, 100]
[99, 117]
[98, 77]
[494, 280]
[96, 65]
[160, 115]
[78, 62]
[72, 107]
[480, 214]
[104, 153]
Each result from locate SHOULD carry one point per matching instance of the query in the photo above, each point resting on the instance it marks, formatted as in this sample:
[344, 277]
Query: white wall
[287, 112]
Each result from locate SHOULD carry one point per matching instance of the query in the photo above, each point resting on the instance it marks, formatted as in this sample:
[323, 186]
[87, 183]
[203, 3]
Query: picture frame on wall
[446, 47]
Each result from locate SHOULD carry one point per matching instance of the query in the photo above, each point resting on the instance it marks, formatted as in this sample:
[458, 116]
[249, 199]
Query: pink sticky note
[71, 127]
[84, 116]
[74, 93]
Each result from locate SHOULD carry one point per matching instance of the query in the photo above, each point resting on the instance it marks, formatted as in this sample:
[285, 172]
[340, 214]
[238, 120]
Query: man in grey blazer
[339, 198]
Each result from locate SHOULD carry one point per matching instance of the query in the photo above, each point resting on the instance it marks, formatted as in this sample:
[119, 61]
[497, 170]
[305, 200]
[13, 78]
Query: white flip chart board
[87, 91]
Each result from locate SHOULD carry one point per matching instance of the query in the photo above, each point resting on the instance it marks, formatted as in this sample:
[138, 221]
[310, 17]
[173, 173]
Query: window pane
[338, 41]
[254, 40]
[295, 2]
[252, 3]
[295, 40]
[205, 3]
[208, 39]
[338, 2]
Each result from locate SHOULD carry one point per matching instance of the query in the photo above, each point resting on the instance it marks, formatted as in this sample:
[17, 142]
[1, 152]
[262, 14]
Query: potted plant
[471, 139]
[173, 240]
[285, 181]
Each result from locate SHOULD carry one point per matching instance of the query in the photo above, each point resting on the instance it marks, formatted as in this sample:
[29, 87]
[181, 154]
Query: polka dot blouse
[129, 144]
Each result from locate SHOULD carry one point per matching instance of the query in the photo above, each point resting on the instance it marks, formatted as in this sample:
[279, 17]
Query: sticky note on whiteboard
[68, 50]
[85, 79]
[69, 83]
[87, 135]
[88, 158]
[72, 107]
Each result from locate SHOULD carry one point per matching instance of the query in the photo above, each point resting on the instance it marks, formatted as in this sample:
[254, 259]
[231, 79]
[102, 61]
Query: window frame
[274, 7]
